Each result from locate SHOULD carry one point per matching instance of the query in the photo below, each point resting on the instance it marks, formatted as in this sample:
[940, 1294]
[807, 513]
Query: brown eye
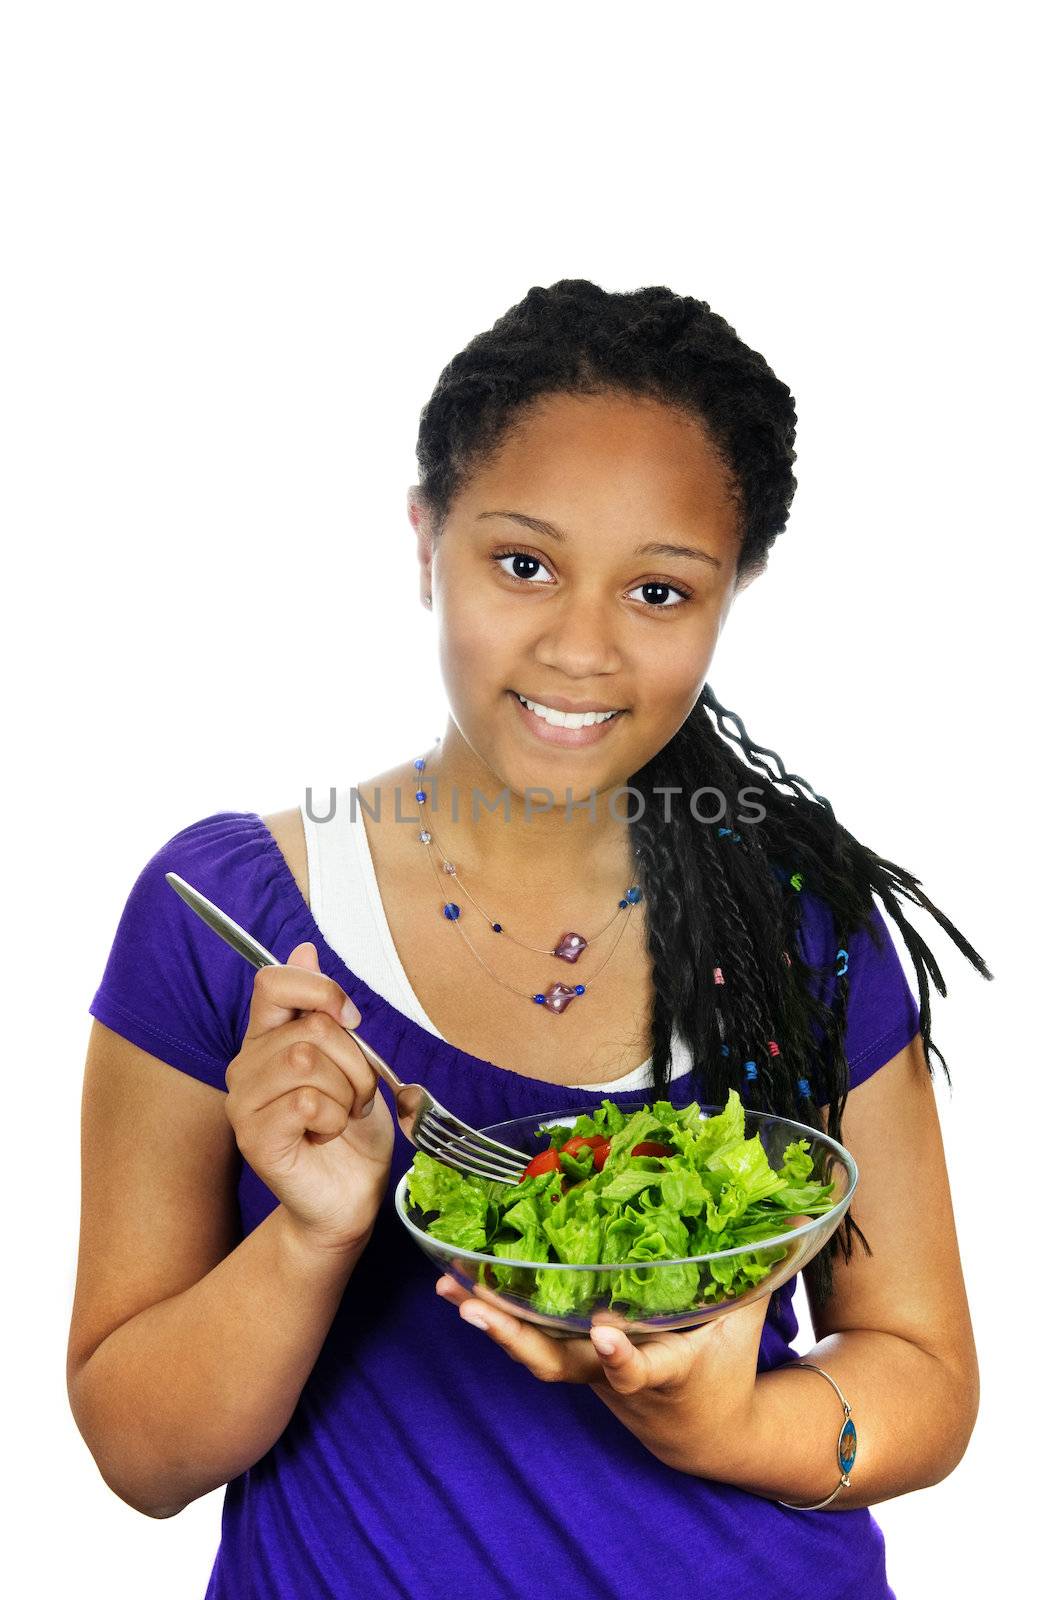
[524, 561]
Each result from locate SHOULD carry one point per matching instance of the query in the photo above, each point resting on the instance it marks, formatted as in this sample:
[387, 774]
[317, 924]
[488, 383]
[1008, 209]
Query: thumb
[305, 955]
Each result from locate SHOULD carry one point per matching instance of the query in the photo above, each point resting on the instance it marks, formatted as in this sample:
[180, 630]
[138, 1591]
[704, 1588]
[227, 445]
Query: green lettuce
[717, 1191]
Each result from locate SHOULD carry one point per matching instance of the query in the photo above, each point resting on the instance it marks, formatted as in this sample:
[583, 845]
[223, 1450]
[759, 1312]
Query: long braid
[731, 894]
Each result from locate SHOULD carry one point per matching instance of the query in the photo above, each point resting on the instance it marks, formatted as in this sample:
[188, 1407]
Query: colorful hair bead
[802, 1084]
[786, 958]
[773, 1048]
[843, 956]
[751, 1069]
[722, 832]
[717, 973]
[725, 1049]
[797, 881]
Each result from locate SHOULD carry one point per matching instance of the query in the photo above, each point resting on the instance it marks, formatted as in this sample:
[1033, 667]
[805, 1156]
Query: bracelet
[846, 1443]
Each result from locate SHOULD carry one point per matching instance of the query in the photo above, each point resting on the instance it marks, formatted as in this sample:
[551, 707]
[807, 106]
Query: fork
[428, 1125]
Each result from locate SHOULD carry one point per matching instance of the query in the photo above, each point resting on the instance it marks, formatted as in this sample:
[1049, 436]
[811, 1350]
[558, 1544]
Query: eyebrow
[655, 548]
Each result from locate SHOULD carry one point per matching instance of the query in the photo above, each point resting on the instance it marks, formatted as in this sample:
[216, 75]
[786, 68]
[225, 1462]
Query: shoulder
[290, 838]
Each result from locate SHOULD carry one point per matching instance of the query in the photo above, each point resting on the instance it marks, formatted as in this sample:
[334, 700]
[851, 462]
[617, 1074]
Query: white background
[241, 242]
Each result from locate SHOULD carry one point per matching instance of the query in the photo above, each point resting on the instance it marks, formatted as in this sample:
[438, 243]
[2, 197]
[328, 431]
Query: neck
[515, 842]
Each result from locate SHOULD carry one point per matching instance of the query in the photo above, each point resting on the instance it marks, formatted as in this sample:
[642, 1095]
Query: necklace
[568, 948]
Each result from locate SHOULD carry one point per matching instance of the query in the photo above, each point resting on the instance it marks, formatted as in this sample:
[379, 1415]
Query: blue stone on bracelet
[540, 999]
[580, 989]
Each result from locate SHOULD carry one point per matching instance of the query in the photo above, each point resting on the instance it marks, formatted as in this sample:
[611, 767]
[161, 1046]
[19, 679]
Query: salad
[632, 1187]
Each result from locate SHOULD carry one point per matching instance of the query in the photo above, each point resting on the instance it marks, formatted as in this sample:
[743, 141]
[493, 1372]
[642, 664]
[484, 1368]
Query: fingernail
[477, 1318]
[605, 1344]
[350, 1015]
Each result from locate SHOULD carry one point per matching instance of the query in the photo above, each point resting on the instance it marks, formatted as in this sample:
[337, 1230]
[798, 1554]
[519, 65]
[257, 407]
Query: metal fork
[428, 1125]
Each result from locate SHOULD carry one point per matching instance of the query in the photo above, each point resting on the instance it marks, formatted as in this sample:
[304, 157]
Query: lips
[564, 738]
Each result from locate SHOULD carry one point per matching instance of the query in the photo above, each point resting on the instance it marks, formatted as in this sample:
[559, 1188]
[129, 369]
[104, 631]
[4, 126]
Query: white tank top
[346, 905]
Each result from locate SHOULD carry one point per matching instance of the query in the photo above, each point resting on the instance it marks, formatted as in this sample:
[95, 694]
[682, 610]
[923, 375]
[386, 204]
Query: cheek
[475, 653]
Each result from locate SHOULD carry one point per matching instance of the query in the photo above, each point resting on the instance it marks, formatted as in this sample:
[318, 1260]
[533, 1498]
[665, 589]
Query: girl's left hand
[712, 1366]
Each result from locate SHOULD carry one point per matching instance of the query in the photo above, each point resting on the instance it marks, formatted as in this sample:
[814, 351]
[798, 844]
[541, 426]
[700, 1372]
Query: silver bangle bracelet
[846, 1442]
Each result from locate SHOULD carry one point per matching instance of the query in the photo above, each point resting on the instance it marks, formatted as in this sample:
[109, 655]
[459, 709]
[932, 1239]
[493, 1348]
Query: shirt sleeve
[883, 1013]
[170, 984]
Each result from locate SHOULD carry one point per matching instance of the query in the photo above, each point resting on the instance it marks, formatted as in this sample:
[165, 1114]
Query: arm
[895, 1335]
[171, 1315]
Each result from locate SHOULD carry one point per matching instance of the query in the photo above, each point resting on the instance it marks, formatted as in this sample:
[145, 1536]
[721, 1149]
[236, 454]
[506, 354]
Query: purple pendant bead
[558, 996]
[570, 947]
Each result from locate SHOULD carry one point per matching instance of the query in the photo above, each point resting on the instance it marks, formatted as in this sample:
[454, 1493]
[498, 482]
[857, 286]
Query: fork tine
[450, 1133]
[452, 1154]
[446, 1121]
[485, 1161]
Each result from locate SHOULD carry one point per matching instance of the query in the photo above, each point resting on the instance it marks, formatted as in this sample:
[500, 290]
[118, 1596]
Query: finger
[655, 1363]
[550, 1360]
[312, 1048]
[280, 993]
[299, 1064]
[280, 1126]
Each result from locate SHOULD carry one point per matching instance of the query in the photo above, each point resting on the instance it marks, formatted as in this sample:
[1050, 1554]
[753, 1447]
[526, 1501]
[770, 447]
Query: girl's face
[559, 577]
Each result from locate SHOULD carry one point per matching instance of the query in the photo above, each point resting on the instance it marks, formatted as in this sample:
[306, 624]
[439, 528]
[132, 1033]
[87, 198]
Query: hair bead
[717, 973]
[802, 1084]
[843, 956]
[751, 1069]
[773, 1048]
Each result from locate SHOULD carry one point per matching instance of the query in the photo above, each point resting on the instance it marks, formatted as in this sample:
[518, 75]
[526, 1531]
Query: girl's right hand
[305, 1107]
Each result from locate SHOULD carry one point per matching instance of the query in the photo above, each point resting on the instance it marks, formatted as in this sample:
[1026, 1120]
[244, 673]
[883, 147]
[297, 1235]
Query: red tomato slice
[601, 1152]
[545, 1161]
[581, 1139]
[649, 1148]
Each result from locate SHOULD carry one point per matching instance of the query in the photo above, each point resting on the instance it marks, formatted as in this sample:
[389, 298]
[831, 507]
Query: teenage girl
[595, 882]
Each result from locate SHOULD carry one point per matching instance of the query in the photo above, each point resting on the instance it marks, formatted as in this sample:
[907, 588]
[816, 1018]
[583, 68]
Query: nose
[577, 638]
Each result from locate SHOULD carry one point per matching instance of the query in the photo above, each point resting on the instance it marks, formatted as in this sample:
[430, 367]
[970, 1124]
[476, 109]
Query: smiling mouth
[566, 719]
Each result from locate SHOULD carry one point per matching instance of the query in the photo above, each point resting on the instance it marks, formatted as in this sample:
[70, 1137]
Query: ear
[418, 516]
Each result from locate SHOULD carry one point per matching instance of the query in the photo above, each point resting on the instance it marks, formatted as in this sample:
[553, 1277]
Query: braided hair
[723, 898]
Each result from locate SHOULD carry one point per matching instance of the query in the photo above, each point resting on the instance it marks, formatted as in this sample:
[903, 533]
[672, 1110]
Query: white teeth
[567, 719]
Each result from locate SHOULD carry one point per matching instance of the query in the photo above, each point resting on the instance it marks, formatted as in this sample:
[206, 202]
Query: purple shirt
[418, 1462]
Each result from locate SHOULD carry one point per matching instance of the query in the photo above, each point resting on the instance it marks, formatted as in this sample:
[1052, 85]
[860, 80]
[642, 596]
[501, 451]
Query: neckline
[351, 983]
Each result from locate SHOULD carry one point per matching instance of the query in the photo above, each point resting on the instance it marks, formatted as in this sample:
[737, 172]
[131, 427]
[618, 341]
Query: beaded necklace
[569, 947]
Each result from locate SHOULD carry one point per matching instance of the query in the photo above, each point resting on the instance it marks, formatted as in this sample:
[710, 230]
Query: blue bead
[725, 1049]
[580, 989]
[419, 763]
[622, 904]
[540, 999]
[451, 911]
[634, 896]
[420, 795]
[751, 1069]
[497, 927]
[720, 832]
[802, 1084]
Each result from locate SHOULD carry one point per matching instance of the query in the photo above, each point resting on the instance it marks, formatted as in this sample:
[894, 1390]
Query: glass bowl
[601, 1298]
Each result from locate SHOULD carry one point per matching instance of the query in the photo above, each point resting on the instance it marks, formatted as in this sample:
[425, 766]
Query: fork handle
[377, 1062]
